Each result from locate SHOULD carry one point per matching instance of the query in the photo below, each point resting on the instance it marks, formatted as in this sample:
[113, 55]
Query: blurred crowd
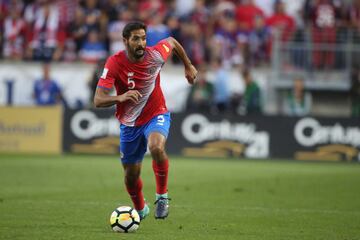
[218, 35]
[240, 32]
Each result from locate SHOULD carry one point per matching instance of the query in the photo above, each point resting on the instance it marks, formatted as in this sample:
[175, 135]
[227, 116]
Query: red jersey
[324, 15]
[142, 76]
[246, 15]
[284, 22]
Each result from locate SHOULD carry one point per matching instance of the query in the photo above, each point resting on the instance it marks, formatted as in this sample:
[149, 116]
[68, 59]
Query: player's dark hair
[131, 27]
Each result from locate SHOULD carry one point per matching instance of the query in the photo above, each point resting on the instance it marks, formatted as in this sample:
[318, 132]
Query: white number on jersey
[131, 81]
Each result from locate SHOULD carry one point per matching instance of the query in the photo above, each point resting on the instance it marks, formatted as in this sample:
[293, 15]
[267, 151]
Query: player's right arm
[103, 98]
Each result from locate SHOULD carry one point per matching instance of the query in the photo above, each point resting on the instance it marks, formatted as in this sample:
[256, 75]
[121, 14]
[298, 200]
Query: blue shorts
[133, 140]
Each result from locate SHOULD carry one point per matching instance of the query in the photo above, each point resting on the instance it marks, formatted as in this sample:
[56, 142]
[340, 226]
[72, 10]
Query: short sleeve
[164, 48]
[107, 78]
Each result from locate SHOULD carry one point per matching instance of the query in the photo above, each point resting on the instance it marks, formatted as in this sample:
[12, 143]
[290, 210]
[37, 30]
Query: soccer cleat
[162, 207]
[144, 212]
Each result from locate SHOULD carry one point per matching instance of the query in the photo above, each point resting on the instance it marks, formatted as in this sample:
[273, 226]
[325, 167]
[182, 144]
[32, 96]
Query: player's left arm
[190, 70]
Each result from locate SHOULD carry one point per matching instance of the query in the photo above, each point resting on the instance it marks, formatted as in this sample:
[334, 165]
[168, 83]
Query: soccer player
[141, 110]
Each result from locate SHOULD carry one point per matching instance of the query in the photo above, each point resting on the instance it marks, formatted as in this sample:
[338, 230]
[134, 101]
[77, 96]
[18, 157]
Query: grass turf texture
[72, 197]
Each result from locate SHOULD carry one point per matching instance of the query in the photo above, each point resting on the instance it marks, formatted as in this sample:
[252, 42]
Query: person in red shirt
[324, 23]
[141, 109]
[281, 22]
[148, 8]
[46, 36]
[246, 14]
[14, 35]
[284, 23]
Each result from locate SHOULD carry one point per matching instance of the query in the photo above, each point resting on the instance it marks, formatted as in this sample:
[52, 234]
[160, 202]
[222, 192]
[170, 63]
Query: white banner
[72, 79]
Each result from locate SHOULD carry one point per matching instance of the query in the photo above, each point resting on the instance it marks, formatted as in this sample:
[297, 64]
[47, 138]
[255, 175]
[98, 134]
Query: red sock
[137, 195]
[161, 175]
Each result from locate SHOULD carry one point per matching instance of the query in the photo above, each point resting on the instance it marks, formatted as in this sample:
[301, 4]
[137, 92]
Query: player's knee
[156, 150]
[131, 181]
[131, 177]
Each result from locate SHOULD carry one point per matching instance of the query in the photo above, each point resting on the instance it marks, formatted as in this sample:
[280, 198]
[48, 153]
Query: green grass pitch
[72, 197]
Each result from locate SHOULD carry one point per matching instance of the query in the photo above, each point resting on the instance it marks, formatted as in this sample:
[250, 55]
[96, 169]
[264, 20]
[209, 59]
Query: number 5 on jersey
[131, 81]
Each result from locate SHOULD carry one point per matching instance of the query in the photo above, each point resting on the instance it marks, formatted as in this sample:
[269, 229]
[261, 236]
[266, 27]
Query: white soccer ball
[124, 219]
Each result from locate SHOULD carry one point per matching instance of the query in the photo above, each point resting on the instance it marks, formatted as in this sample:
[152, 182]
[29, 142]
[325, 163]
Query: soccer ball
[124, 219]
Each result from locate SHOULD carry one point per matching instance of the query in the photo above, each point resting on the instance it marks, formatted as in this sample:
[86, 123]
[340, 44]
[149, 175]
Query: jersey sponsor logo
[104, 73]
[166, 48]
[152, 70]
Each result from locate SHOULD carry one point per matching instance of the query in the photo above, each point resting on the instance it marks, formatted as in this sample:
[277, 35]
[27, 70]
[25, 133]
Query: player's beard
[138, 52]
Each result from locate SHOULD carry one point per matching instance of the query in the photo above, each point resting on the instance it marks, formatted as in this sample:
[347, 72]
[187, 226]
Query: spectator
[259, 43]
[184, 7]
[355, 93]
[354, 15]
[14, 34]
[200, 16]
[324, 22]
[201, 93]
[297, 102]
[95, 20]
[221, 87]
[67, 10]
[47, 37]
[77, 28]
[46, 91]
[93, 49]
[266, 6]
[251, 100]
[156, 30]
[115, 29]
[281, 21]
[223, 6]
[148, 8]
[6, 6]
[295, 10]
[220, 9]
[92, 15]
[192, 41]
[247, 13]
[225, 41]
[114, 8]
[173, 23]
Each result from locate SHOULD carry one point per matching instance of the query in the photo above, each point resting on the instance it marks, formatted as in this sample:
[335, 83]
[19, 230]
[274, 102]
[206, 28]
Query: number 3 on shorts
[160, 120]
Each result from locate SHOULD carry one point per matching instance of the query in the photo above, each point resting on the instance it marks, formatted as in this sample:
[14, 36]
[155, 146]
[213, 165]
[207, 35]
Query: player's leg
[134, 186]
[132, 151]
[156, 142]
[156, 133]
[160, 163]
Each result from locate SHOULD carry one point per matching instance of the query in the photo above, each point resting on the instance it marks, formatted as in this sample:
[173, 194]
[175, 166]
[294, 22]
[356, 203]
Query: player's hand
[131, 95]
[191, 74]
